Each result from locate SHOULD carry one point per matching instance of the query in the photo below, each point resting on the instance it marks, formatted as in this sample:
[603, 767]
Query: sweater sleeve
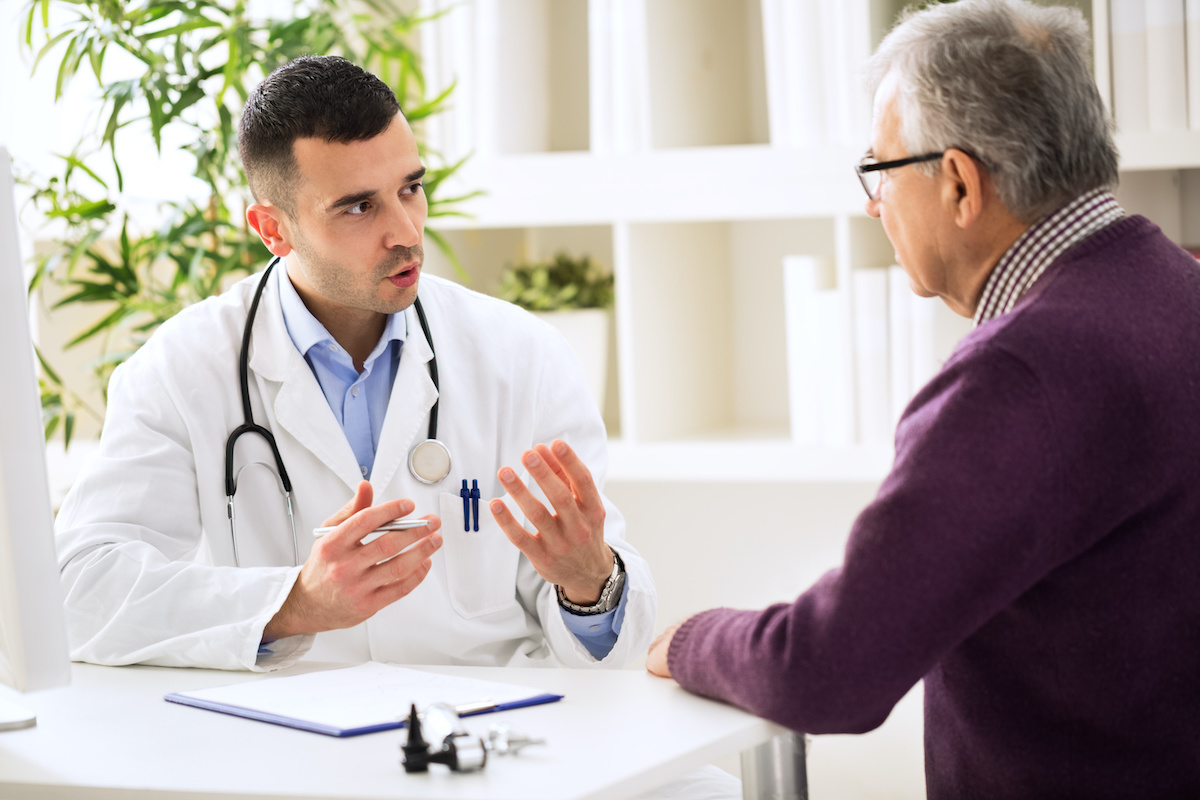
[967, 520]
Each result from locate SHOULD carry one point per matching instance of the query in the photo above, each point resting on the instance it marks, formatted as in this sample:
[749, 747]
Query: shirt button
[363, 469]
[594, 628]
[354, 390]
[333, 348]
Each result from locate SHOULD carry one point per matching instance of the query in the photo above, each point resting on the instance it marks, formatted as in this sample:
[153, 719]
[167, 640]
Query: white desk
[616, 733]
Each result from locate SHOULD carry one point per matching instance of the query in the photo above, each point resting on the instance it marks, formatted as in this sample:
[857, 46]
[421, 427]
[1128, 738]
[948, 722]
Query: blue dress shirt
[359, 402]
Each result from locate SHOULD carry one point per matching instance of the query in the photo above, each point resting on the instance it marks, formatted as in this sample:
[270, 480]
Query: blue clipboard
[351, 701]
[330, 730]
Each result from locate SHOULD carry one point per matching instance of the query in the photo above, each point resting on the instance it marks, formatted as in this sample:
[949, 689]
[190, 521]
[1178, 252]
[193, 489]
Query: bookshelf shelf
[1161, 150]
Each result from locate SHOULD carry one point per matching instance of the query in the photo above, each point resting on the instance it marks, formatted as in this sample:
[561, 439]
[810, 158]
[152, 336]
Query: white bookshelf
[691, 145]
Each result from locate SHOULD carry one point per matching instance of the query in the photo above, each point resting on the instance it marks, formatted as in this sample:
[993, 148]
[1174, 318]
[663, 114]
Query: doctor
[341, 369]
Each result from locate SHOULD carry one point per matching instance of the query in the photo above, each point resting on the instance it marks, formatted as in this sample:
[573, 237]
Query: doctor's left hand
[568, 548]
[344, 582]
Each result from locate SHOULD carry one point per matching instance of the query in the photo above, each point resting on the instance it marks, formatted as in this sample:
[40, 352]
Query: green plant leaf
[66, 68]
[51, 426]
[200, 57]
[68, 428]
[191, 25]
[448, 251]
[108, 321]
[561, 283]
[46, 48]
[50, 373]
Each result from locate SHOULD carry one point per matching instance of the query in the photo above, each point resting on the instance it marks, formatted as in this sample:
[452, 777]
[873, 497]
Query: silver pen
[394, 525]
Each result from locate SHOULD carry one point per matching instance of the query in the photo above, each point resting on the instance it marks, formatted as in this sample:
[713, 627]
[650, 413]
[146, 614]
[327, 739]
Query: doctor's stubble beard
[339, 283]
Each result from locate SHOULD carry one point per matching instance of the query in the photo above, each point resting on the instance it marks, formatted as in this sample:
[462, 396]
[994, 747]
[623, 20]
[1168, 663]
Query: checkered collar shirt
[1037, 247]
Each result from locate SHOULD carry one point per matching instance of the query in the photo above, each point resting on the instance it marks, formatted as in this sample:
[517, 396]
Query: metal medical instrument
[450, 744]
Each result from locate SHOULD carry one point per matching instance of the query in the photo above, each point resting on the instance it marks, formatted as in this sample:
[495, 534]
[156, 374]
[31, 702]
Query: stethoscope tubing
[249, 426]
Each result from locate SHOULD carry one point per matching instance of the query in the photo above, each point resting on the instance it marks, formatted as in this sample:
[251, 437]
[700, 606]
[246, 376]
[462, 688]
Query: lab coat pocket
[481, 566]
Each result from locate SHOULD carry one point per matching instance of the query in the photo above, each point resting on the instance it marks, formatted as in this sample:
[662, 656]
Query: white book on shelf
[936, 332]
[856, 30]
[795, 73]
[629, 112]
[1191, 27]
[872, 384]
[801, 280]
[808, 110]
[601, 76]
[488, 47]
[844, 46]
[924, 363]
[835, 390]
[1129, 65]
[949, 329]
[820, 401]
[775, 52]
[1166, 67]
[826, 21]
[900, 340]
[448, 55]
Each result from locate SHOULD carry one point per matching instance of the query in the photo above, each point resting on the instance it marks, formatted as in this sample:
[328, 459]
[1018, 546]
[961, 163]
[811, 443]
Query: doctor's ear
[266, 222]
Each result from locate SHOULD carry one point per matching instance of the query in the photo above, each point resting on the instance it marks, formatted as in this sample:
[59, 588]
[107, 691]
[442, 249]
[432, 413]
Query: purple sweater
[1034, 554]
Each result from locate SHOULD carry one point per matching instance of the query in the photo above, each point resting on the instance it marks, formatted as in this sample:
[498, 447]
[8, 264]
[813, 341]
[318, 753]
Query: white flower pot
[586, 329]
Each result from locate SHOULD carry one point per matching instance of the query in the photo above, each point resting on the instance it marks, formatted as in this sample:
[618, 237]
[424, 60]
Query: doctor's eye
[414, 188]
[358, 209]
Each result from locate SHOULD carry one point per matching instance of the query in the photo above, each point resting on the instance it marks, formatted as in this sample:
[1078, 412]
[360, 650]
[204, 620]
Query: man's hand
[568, 548]
[344, 582]
[656, 659]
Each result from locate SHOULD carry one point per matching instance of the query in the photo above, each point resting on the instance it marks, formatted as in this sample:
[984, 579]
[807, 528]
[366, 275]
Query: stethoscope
[428, 461]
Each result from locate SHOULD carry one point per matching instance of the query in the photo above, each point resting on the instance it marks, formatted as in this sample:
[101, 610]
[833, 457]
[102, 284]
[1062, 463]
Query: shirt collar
[307, 332]
[1038, 247]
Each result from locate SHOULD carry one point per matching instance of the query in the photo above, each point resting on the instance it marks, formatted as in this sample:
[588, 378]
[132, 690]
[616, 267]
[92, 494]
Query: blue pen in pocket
[475, 502]
[465, 494]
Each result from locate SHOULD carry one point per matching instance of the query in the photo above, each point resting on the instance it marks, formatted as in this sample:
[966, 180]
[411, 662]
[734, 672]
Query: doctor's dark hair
[323, 97]
[1010, 83]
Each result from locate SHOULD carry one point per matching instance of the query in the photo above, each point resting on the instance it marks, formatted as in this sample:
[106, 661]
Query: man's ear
[267, 222]
[963, 186]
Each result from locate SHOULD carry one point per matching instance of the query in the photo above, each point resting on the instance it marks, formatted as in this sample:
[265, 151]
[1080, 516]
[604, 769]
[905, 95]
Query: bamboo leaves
[196, 63]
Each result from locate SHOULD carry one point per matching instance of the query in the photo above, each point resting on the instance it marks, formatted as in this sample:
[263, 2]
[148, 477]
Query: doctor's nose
[405, 228]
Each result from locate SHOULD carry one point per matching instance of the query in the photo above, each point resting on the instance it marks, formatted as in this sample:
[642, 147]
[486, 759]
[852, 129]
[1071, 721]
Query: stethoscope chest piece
[429, 461]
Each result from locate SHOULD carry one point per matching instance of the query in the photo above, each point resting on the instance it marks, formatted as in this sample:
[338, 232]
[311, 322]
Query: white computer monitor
[33, 634]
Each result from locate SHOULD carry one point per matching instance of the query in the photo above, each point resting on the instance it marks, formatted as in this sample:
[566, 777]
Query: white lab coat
[143, 537]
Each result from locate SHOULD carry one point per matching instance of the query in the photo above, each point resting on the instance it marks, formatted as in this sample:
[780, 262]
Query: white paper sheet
[353, 698]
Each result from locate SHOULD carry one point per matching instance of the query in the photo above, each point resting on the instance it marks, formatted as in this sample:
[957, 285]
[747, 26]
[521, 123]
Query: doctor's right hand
[344, 582]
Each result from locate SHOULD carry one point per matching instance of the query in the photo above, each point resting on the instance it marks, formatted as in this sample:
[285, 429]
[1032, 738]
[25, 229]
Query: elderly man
[1033, 553]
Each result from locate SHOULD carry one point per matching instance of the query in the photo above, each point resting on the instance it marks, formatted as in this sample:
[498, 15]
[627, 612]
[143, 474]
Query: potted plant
[574, 294]
[195, 64]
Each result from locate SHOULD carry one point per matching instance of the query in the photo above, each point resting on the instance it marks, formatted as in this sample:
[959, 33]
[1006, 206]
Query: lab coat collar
[307, 332]
[302, 410]
[272, 352]
[412, 399]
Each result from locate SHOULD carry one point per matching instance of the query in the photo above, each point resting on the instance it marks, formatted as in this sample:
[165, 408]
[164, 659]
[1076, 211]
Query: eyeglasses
[870, 172]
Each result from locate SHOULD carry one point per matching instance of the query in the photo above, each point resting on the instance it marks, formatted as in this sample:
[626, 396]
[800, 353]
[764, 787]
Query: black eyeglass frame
[879, 166]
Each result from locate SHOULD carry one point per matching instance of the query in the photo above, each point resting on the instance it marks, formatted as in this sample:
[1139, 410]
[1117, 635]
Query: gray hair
[1010, 84]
